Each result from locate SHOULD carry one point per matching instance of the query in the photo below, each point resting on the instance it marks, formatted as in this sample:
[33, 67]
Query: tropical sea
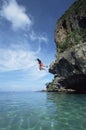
[42, 111]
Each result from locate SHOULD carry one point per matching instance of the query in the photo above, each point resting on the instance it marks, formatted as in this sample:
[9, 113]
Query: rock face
[69, 68]
[71, 27]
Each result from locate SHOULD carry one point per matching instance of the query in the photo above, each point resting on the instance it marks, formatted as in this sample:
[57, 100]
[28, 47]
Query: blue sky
[26, 33]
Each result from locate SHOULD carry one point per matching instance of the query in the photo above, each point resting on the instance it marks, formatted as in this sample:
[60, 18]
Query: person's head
[38, 60]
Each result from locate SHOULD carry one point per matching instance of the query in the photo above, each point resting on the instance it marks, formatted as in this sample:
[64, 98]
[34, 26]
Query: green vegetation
[77, 7]
[78, 35]
[74, 38]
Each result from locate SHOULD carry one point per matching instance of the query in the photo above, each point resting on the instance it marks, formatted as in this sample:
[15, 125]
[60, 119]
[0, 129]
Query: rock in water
[69, 67]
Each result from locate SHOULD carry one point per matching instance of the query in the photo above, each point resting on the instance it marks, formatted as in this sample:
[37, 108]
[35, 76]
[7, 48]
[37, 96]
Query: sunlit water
[42, 111]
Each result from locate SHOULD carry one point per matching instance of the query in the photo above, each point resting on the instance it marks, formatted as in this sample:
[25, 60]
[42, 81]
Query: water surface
[42, 111]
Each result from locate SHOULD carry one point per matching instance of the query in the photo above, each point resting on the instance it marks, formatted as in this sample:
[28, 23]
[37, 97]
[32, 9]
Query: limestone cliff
[71, 27]
[69, 68]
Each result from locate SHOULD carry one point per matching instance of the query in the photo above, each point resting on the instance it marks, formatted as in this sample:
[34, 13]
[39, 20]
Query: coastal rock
[69, 67]
[71, 27]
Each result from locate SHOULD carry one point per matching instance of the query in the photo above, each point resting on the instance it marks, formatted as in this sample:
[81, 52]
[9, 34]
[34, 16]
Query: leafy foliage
[77, 7]
[74, 38]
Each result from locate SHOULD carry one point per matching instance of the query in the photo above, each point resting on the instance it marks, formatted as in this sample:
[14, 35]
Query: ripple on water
[51, 112]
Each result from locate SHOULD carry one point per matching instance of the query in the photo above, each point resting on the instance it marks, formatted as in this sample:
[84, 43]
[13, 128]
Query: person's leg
[39, 67]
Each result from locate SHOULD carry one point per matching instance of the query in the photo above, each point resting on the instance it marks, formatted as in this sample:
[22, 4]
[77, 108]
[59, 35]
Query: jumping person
[41, 65]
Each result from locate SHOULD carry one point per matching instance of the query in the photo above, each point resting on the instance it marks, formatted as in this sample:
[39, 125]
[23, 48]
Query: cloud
[16, 59]
[37, 73]
[38, 37]
[20, 59]
[16, 15]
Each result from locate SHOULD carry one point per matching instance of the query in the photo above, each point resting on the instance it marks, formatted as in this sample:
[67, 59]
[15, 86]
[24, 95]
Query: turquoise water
[42, 111]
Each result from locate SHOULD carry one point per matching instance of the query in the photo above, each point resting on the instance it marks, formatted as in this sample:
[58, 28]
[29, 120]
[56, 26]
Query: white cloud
[15, 14]
[16, 59]
[19, 59]
[37, 73]
[39, 37]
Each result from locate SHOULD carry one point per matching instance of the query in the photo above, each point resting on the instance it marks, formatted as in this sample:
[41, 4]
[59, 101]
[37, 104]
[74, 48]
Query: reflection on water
[42, 111]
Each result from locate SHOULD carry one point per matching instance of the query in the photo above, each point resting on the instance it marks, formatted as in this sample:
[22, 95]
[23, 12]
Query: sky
[27, 33]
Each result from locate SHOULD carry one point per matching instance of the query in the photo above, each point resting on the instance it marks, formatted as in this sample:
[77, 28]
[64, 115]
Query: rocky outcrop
[71, 27]
[69, 68]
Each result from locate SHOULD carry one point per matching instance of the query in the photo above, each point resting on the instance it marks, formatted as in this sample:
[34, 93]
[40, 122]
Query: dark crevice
[75, 82]
[82, 22]
[64, 24]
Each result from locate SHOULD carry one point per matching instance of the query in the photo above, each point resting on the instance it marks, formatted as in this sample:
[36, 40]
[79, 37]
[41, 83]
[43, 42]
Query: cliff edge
[69, 67]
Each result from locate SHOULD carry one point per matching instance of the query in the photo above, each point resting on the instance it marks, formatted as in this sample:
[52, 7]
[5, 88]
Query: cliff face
[69, 68]
[71, 27]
